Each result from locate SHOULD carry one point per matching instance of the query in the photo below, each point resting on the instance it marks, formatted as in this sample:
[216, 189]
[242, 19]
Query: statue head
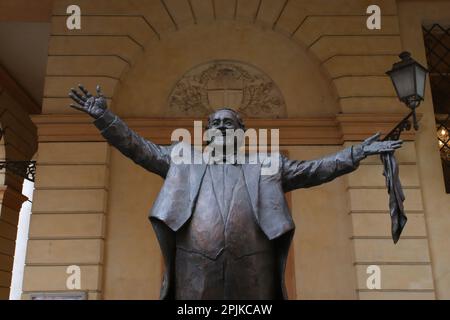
[225, 119]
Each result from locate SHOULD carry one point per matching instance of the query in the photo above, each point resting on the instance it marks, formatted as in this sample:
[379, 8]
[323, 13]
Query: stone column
[67, 224]
[18, 144]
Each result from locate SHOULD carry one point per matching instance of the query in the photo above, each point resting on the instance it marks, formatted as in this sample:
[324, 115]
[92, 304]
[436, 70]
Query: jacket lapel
[218, 184]
[252, 173]
[196, 174]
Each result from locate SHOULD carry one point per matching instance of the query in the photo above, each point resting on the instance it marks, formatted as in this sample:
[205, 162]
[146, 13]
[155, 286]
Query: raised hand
[372, 146]
[95, 106]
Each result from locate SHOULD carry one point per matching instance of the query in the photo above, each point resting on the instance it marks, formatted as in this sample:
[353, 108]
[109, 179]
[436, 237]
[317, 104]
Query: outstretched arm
[151, 156]
[304, 174]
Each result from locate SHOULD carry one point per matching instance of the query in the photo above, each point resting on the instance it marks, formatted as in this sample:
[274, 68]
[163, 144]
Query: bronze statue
[224, 229]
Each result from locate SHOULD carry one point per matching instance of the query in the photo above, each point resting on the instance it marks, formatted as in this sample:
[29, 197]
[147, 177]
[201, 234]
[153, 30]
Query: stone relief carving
[226, 84]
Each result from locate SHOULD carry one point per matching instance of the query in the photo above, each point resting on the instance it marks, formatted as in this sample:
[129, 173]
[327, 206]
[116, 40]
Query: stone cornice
[323, 130]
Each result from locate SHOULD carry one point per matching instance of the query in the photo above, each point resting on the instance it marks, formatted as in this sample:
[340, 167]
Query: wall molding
[324, 130]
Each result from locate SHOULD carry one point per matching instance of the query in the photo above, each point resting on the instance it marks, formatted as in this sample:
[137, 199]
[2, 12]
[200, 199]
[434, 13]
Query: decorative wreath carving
[226, 84]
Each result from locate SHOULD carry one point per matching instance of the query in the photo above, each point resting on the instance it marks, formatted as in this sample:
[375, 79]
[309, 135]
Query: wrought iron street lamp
[408, 78]
[24, 169]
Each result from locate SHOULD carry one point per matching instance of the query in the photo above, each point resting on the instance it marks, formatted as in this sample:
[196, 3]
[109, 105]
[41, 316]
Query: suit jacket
[177, 198]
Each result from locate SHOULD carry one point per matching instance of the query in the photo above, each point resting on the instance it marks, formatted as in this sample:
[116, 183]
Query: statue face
[224, 120]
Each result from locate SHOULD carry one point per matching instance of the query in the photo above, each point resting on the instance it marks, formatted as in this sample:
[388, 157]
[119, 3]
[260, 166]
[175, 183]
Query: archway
[144, 92]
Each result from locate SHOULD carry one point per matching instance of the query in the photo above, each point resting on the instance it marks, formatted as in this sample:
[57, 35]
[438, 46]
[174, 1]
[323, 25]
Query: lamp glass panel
[404, 82]
[420, 81]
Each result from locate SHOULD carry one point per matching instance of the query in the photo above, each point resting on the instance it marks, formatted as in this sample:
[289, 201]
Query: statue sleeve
[304, 174]
[152, 157]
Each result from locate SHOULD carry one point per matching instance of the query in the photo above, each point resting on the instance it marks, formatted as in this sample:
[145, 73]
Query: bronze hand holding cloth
[386, 149]
[396, 195]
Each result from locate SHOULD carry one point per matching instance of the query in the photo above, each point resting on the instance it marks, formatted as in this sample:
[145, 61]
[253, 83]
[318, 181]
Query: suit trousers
[249, 277]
